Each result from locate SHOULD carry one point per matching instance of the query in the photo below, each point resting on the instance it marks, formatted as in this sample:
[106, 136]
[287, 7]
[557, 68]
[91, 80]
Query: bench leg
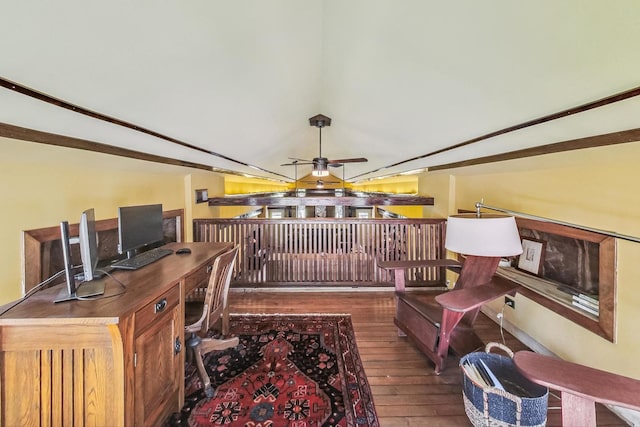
[449, 321]
[577, 411]
[398, 276]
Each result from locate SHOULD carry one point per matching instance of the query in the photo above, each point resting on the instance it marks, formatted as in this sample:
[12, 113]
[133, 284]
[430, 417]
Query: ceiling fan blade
[354, 160]
[295, 164]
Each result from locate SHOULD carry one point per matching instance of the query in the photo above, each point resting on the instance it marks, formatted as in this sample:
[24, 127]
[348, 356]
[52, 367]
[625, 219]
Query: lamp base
[476, 270]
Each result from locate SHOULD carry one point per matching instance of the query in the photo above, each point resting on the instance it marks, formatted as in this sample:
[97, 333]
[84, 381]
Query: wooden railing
[328, 252]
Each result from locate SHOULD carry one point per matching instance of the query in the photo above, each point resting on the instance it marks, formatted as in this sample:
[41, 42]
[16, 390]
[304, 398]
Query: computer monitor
[89, 255]
[139, 226]
[88, 239]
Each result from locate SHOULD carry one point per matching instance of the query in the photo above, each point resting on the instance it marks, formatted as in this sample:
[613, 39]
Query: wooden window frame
[605, 324]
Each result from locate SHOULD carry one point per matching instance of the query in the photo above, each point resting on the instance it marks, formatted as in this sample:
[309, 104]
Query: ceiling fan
[321, 164]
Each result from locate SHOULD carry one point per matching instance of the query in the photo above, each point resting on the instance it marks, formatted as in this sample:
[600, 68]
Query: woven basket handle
[500, 346]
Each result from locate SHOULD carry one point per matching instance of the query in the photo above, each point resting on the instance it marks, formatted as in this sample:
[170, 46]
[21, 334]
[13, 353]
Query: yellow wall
[406, 184]
[235, 184]
[43, 185]
[214, 184]
[442, 188]
[595, 188]
[407, 211]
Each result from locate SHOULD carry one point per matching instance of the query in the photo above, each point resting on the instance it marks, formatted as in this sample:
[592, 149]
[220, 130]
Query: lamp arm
[480, 205]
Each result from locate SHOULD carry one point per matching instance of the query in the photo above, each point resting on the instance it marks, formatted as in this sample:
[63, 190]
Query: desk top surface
[141, 286]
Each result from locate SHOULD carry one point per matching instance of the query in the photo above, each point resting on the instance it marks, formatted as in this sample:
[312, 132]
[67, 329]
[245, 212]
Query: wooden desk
[114, 361]
[580, 386]
[399, 268]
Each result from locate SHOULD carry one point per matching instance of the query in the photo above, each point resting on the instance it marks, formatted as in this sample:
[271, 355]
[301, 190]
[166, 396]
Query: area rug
[288, 370]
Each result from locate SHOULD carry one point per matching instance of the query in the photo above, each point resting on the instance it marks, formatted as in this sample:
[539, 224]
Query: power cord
[44, 283]
[33, 290]
[500, 316]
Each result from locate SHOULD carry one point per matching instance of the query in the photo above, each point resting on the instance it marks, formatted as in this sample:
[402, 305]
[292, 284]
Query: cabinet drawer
[152, 312]
[196, 283]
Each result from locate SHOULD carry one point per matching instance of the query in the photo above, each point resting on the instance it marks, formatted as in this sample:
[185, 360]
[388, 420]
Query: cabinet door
[158, 362]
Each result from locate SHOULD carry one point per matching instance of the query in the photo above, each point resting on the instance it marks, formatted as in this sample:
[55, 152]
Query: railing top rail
[322, 220]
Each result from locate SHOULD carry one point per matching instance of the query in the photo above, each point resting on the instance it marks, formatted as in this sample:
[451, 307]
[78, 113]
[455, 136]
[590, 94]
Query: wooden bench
[579, 385]
[437, 322]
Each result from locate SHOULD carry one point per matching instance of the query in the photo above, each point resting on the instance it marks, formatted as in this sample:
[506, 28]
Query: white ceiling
[399, 78]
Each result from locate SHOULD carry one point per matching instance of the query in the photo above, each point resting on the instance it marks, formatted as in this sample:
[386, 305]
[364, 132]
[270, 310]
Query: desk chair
[200, 316]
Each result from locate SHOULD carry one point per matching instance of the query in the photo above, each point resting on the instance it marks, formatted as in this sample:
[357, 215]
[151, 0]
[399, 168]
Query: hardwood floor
[405, 389]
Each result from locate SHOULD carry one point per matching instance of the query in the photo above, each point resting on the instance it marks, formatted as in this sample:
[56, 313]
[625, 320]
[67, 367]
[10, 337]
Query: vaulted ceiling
[235, 82]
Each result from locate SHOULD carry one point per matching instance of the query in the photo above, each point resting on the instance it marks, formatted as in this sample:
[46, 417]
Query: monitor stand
[85, 290]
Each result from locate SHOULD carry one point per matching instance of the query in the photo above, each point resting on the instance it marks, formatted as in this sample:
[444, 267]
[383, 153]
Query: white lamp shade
[489, 235]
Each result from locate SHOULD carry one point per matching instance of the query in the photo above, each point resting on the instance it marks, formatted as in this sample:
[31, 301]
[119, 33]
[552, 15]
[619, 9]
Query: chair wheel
[208, 391]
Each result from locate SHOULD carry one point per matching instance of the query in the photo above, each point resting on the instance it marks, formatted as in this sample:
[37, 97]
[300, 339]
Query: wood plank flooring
[405, 389]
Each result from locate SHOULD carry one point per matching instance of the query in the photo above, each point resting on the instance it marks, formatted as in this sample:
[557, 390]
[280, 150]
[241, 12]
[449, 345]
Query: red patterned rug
[288, 370]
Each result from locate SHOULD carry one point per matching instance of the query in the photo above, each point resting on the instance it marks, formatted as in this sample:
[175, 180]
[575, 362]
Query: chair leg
[199, 347]
[194, 343]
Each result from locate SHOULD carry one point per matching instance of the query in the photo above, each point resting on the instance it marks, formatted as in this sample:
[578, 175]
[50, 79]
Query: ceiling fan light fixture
[320, 170]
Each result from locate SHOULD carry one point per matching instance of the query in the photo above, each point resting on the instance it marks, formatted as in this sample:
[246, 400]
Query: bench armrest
[398, 266]
[418, 263]
[463, 300]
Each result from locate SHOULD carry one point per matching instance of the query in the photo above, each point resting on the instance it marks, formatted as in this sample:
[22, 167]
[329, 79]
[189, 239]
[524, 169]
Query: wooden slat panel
[335, 251]
[61, 386]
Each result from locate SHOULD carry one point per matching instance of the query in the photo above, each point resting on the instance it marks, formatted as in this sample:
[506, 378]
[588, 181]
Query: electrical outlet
[510, 302]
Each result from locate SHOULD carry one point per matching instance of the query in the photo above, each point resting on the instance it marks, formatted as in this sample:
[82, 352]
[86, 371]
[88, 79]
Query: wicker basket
[522, 403]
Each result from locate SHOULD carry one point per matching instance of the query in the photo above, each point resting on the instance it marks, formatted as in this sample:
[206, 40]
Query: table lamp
[483, 239]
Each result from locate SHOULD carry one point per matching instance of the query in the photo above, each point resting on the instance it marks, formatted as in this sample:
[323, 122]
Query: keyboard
[142, 259]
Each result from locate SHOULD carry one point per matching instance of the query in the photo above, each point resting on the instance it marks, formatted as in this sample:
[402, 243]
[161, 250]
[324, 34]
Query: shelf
[546, 288]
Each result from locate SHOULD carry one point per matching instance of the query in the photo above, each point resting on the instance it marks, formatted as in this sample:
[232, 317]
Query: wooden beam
[278, 200]
[621, 96]
[622, 137]
[16, 87]
[31, 135]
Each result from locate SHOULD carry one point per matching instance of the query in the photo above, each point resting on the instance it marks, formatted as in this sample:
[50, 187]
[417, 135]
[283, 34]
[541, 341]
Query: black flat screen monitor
[139, 226]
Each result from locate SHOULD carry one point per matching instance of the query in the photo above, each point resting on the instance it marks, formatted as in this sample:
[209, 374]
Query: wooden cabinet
[105, 362]
[158, 358]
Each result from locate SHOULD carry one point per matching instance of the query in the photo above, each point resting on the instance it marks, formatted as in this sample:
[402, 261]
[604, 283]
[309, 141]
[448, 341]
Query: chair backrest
[215, 301]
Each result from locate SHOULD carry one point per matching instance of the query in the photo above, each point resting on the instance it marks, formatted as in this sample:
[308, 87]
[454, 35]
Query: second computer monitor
[139, 226]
